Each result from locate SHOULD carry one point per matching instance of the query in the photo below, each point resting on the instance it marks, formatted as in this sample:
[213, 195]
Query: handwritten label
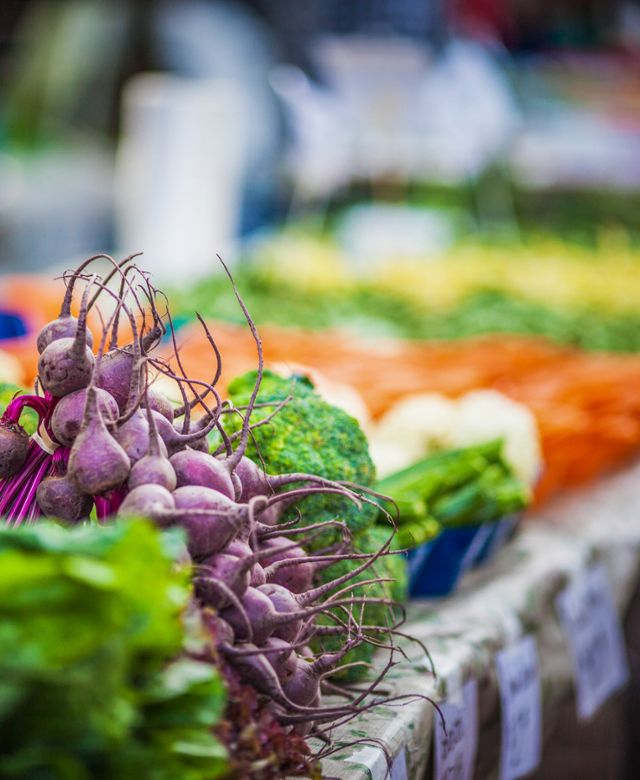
[590, 621]
[455, 750]
[519, 680]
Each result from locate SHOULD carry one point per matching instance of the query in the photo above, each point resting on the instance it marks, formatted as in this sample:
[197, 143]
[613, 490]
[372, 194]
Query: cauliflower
[416, 426]
[420, 425]
[483, 415]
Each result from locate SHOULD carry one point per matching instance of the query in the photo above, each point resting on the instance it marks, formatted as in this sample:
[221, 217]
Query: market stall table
[587, 534]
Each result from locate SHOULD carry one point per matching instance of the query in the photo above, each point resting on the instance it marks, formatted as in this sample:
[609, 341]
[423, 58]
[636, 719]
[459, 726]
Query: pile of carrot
[587, 404]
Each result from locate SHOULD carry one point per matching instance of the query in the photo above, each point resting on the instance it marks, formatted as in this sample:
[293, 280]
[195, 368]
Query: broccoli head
[308, 435]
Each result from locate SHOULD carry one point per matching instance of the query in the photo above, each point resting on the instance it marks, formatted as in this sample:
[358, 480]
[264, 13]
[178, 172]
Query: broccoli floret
[308, 435]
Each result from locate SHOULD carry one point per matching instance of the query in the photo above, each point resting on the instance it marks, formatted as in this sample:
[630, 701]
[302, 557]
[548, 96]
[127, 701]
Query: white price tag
[455, 750]
[519, 680]
[590, 621]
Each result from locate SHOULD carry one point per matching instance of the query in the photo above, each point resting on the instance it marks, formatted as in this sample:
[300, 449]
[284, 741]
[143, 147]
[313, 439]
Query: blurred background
[399, 127]
[415, 196]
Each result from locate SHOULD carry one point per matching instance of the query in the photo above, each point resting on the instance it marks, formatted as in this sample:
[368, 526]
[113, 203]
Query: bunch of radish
[108, 439]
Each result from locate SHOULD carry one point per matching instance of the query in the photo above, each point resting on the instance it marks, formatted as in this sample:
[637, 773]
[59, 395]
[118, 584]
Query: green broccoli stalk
[309, 435]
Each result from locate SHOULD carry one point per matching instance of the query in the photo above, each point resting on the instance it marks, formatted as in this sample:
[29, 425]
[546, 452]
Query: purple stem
[102, 507]
[37, 403]
[108, 505]
[30, 508]
[116, 497]
[27, 503]
[9, 488]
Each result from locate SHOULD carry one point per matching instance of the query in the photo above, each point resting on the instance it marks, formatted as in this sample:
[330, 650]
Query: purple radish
[200, 445]
[281, 656]
[239, 549]
[210, 519]
[97, 463]
[58, 497]
[260, 612]
[115, 372]
[65, 325]
[306, 652]
[303, 686]
[232, 571]
[219, 628]
[154, 467]
[152, 501]
[152, 470]
[68, 414]
[14, 447]
[258, 576]
[284, 602]
[133, 436]
[114, 375]
[265, 618]
[253, 480]
[298, 578]
[167, 433]
[198, 468]
[159, 403]
[60, 328]
[171, 436]
[256, 670]
[66, 364]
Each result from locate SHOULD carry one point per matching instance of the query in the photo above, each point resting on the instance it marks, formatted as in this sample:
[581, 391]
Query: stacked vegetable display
[543, 287]
[108, 440]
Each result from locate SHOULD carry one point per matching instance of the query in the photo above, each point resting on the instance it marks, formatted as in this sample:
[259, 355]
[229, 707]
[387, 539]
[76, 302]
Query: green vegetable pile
[454, 488]
[493, 311]
[94, 682]
[307, 435]
[373, 312]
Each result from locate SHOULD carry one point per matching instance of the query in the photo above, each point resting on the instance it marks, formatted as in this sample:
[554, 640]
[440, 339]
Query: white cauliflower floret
[389, 457]
[419, 425]
[483, 415]
[413, 428]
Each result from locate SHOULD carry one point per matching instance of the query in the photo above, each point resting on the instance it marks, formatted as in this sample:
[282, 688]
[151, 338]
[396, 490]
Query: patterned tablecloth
[514, 594]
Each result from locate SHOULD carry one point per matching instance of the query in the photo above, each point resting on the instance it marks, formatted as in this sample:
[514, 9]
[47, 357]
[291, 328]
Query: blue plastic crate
[436, 567]
[500, 532]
